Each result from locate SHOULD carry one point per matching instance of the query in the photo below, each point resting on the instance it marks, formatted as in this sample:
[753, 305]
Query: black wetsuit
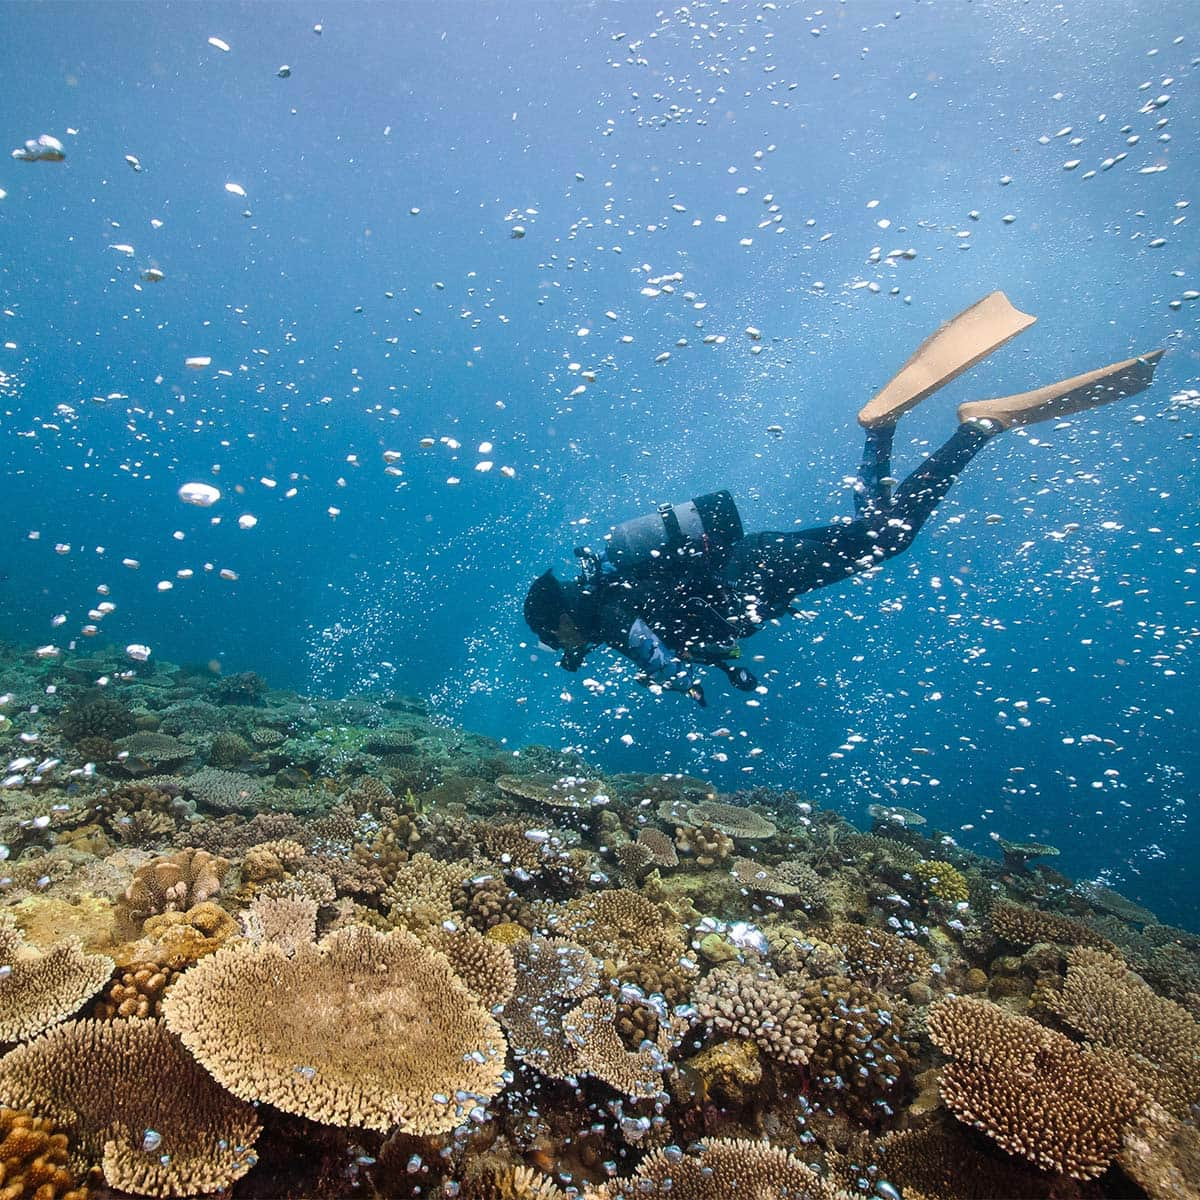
[688, 611]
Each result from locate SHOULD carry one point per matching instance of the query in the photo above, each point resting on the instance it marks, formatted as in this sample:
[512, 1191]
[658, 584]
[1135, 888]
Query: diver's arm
[659, 665]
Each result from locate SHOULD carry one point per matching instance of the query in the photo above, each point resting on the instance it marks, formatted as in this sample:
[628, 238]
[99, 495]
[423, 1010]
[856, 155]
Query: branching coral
[132, 1100]
[943, 881]
[423, 891]
[793, 881]
[860, 1060]
[33, 1160]
[591, 1030]
[1158, 1040]
[1028, 926]
[39, 989]
[720, 1169]
[754, 1003]
[484, 965]
[360, 1029]
[877, 956]
[287, 921]
[1031, 1090]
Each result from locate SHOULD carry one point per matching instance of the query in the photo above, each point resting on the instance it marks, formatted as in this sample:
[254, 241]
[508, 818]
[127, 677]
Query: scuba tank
[705, 527]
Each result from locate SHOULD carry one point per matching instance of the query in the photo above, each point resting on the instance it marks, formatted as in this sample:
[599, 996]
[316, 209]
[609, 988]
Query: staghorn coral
[33, 1160]
[171, 883]
[39, 989]
[135, 992]
[291, 1031]
[943, 881]
[130, 1099]
[1028, 926]
[1157, 1039]
[721, 1168]
[754, 1003]
[1031, 1090]
[859, 1060]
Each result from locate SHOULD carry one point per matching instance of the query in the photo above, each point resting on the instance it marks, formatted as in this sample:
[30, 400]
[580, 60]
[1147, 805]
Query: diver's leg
[873, 487]
[926, 487]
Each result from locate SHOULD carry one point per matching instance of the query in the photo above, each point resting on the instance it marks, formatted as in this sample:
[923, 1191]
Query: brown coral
[33, 1160]
[591, 1030]
[1027, 926]
[1112, 1007]
[360, 1029]
[1031, 1090]
[484, 965]
[39, 989]
[288, 921]
[135, 992]
[795, 881]
[721, 1168]
[742, 824]
[754, 1003]
[878, 957]
[704, 843]
[423, 891]
[131, 1099]
[171, 883]
[860, 1059]
[180, 939]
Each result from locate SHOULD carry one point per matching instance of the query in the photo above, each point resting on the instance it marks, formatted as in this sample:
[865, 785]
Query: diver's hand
[697, 693]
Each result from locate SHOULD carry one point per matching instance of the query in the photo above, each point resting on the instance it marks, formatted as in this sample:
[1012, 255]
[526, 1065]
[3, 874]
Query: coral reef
[1031, 1090]
[540, 981]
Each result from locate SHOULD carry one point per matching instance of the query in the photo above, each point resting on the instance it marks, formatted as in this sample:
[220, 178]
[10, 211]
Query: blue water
[1031, 677]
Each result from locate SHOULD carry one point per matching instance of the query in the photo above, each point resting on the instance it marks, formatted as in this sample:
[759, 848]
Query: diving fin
[957, 346]
[1073, 395]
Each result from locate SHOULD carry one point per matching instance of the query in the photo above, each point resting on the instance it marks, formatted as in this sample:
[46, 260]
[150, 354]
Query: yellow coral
[943, 880]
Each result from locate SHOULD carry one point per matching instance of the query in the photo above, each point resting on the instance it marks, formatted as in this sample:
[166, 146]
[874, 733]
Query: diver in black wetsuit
[683, 585]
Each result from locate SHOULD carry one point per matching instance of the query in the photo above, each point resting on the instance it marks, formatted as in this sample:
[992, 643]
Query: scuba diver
[684, 585]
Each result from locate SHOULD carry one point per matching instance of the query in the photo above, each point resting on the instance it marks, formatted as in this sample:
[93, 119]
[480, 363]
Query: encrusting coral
[33, 1160]
[361, 1029]
[38, 989]
[133, 1102]
[1032, 1090]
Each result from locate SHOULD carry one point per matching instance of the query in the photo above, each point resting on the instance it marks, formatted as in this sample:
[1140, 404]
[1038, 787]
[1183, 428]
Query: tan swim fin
[1073, 395]
[956, 347]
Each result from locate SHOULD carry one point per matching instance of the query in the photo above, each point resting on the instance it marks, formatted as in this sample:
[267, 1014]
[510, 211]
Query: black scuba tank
[703, 528]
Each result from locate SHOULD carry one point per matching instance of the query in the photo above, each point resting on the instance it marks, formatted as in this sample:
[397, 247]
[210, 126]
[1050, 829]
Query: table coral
[360, 1029]
[115, 1086]
[1030, 1089]
[40, 988]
